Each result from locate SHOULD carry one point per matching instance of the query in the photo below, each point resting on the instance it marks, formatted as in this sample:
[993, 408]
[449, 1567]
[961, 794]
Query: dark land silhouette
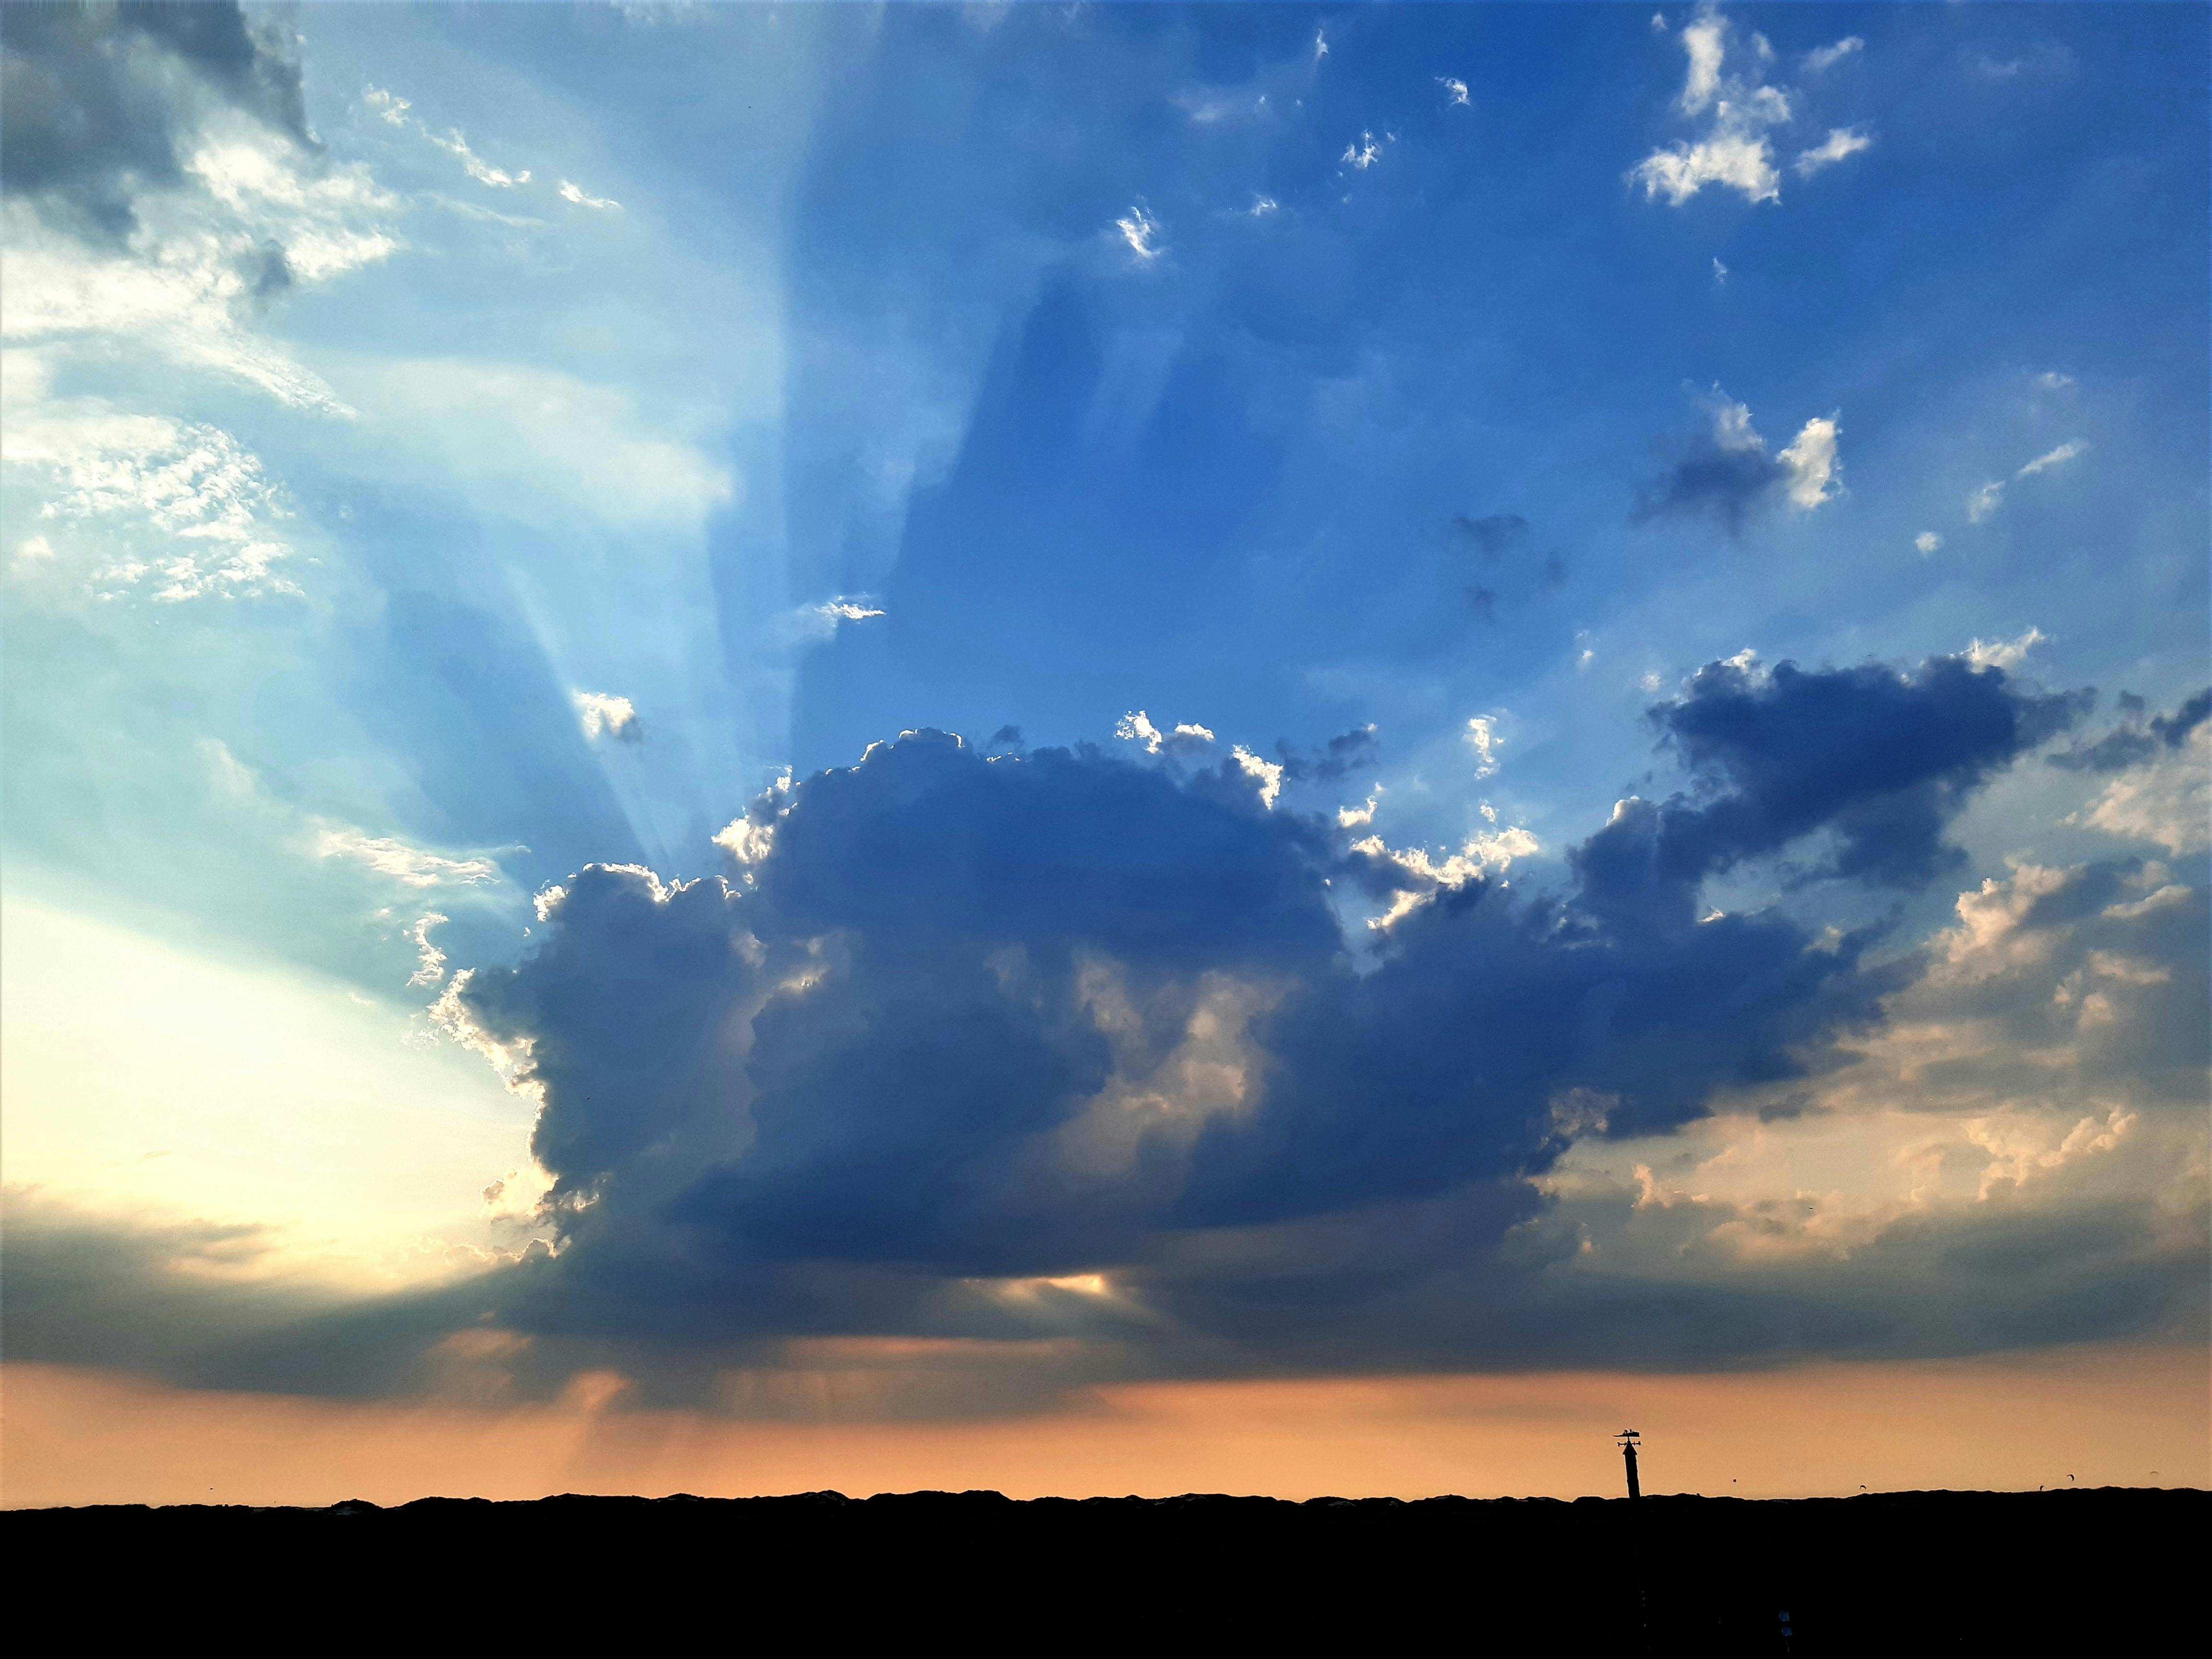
[2100, 1571]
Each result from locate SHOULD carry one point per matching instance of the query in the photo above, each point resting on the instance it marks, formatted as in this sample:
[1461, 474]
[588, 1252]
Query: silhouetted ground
[2108, 1572]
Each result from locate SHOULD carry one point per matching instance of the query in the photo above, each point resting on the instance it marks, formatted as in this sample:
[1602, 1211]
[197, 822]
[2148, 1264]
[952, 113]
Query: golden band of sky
[2104, 1416]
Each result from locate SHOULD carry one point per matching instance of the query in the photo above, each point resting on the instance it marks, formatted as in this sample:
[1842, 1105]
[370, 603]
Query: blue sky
[499, 442]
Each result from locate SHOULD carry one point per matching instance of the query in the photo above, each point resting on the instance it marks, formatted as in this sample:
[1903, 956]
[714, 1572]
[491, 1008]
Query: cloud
[411, 866]
[205, 200]
[1481, 735]
[102, 103]
[1137, 727]
[1821, 58]
[1735, 151]
[2058, 457]
[1491, 535]
[598, 714]
[119, 477]
[474, 165]
[1320, 45]
[1879, 760]
[1730, 476]
[2163, 790]
[1841, 143]
[1141, 232]
[1342, 755]
[1262, 206]
[575, 193]
[1455, 93]
[1361, 152]
[2004, 653]
[1069, 1044]
[387, 107]
[2134, 739]
[1985, 501]
[1927, 542]
[1705, 39]
[1720, 272]
[429, 960]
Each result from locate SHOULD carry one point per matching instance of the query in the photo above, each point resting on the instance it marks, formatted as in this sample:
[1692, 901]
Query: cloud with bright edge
[1455, 92]
[1141, 232]
[576, 194]
[600, 714]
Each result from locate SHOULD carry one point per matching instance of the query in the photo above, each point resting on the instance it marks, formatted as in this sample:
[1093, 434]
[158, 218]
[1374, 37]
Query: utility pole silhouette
[1627, 1438]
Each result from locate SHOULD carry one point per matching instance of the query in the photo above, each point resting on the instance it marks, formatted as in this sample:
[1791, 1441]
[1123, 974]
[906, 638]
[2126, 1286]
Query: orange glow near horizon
[2104, 1416]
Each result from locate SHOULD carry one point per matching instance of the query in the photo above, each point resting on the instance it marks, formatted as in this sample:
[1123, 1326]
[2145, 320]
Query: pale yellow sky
[148, 1083]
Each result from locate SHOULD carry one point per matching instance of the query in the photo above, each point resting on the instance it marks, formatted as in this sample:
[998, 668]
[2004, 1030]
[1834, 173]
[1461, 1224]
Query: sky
[1103, 747]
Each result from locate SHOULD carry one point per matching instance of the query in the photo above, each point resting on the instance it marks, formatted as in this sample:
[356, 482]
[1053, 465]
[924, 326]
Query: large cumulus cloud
[958, 1018]
[979, 1075]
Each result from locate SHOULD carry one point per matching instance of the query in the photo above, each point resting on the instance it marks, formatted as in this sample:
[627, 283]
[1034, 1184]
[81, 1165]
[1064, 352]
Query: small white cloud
[746, 841]
[575, 193]
[37, 547]
[1658, 24]
[409, 866]
[1825, 57]
[2058, 457]
[1137, 727]
[1320, 45]
[1734, 151]
[2004, 653]
[1361, 153]
[1141, 232]
[1481, 735]
[1268, 773]
[1927, 541]
[390, 105]
[1262, 206]
[844, 610]
[2051, 380]
[1813, 464]
[599, 713]
[1720, 272]
[1455, 92]
[476, 166]
[1840, 143]
[1354, 818]
[1705, 40]
[429, 960]
[1984, 502]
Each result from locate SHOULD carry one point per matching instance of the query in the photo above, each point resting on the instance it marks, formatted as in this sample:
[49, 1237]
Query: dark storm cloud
[1881, 761]
[2134, 739]
[886, 1046]
[96, 101]
[962, 1024]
